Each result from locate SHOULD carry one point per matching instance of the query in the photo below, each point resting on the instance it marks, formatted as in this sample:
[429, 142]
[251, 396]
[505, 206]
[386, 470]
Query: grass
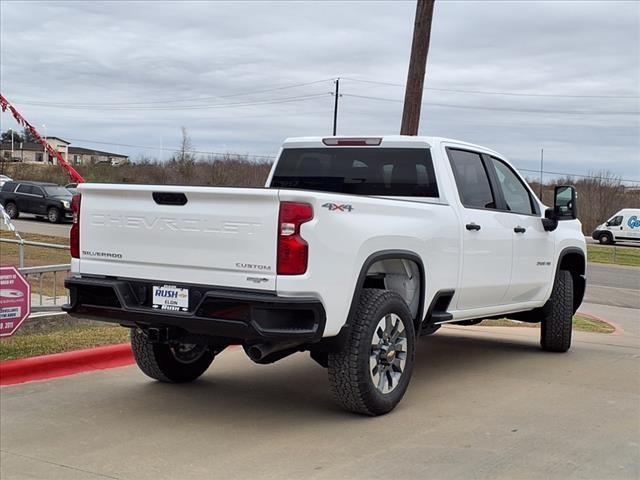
[614, 255]
[580, 323]
[61, 340]
[37, 257]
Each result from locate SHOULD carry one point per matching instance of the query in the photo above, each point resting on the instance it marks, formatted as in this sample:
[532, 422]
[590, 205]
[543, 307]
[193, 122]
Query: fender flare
[581, 285]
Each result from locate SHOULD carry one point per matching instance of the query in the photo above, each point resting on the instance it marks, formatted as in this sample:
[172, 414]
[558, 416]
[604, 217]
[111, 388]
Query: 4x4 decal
[342, 207]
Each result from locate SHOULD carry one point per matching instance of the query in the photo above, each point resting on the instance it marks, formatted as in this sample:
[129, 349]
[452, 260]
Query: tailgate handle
[169, 198]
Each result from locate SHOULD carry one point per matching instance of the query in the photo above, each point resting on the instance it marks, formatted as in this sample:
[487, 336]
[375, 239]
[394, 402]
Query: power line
[486, 92]
[275, 101]
[501, 109]
[153, 102]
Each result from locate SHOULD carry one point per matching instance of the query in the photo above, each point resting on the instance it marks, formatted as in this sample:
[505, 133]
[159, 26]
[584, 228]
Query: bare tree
[186, 152]
[183, 161]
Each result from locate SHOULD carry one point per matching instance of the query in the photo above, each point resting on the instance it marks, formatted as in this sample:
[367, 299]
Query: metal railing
[47, 302]
[21, 244]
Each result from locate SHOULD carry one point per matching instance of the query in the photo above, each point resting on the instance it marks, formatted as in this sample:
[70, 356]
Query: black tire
[12, 210]
[557, 315]
[350, 374]
[159, 360]
[606, 239]
[53, 215]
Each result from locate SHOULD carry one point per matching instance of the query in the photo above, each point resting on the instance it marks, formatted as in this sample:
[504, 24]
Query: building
[35, 153]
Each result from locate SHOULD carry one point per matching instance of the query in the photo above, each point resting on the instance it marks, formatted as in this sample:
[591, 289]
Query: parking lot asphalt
[484, 402]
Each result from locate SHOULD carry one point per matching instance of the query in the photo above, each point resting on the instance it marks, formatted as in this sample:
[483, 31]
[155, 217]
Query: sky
[514, 76]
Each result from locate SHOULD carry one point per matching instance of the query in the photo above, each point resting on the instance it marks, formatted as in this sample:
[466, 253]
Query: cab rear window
[396, 172]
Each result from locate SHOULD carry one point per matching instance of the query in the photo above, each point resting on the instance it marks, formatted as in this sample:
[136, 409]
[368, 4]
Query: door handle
[519, 229]
[472, 226]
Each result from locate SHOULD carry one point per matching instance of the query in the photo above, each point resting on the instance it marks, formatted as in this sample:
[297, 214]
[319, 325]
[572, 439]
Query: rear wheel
[371, 373]
[12, 210]
[557, 315]
[172, 363]
[53, 215]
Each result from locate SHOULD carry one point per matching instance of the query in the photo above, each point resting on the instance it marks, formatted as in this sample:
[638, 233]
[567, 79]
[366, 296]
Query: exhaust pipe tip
[254, 353]
[268, 352]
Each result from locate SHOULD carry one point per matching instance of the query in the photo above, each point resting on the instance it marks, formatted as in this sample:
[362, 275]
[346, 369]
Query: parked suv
[39, 198]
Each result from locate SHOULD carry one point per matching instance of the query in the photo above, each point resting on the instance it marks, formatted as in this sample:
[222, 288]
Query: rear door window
[396, 172]
[24, 189]
[471, 178]
[9, 187]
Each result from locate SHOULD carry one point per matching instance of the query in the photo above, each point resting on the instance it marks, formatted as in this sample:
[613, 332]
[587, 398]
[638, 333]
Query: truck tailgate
[220, 236]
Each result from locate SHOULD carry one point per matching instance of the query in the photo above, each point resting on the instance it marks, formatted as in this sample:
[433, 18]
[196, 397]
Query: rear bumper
[235, 315]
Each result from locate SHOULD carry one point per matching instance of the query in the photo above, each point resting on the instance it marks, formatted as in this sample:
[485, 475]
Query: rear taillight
[74, 234]
[293, 251]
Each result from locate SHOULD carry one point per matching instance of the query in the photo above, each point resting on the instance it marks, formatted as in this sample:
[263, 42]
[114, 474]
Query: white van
[624, 226]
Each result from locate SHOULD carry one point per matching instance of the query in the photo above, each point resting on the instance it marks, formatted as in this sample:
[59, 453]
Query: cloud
[190, 55]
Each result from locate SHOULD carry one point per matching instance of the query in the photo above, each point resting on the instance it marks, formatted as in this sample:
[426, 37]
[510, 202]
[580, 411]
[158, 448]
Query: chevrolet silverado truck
[355, 247]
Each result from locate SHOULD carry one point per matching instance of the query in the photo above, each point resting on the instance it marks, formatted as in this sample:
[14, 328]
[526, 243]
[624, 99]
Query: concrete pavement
[484, 402]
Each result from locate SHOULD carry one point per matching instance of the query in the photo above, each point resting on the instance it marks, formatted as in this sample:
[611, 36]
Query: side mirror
[565, 205]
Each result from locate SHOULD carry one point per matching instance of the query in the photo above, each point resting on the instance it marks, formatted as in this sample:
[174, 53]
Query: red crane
[73, 173]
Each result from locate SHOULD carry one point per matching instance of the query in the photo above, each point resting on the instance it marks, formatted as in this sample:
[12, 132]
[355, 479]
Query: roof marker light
[351, 141]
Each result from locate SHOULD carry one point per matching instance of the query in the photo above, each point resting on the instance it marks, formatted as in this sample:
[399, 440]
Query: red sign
[15, 300]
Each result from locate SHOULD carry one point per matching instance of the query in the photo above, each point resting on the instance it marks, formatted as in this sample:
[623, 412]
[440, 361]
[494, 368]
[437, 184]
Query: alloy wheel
[388, 353]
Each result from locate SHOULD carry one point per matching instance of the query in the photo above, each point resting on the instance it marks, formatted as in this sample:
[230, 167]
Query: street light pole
[335, 107]
[541, 171]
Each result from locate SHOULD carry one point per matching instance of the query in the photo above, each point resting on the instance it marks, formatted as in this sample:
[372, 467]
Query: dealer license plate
[170, 297]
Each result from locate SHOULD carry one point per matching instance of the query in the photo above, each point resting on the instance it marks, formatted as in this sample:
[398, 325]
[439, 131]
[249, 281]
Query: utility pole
[335, 107]
[541, 172]
[417, 68]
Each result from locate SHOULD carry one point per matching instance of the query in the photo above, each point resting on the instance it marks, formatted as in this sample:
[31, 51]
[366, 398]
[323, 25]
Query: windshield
[57, 191]
[398, 172]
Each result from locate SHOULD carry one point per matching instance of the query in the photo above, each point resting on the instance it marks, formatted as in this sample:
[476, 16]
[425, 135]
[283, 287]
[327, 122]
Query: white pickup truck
[355, 247]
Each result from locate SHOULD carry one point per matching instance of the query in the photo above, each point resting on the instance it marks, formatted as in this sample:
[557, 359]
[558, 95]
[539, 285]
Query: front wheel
[171, 363]
[557, 315]
[371, 373]
[606, 239]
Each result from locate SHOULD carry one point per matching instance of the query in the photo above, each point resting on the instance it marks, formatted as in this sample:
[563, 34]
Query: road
[484, 402]
[29, 224]
[613, 285]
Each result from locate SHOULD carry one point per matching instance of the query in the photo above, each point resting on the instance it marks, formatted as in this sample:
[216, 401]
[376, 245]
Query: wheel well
[402, 276]
[574, 262]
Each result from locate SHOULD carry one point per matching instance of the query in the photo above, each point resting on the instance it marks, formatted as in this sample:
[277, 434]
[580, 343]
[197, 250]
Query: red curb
[617, 329]
[44, 367]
